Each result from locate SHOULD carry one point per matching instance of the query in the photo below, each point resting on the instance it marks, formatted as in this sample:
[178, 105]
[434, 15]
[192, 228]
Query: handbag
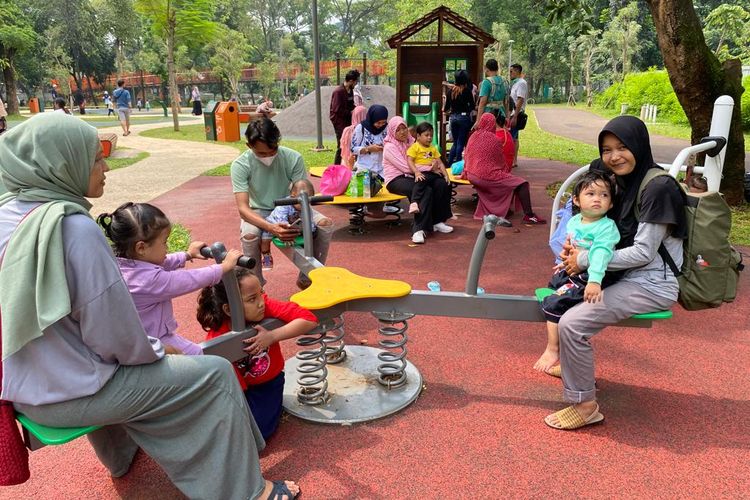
[335, 180]
[521, 120]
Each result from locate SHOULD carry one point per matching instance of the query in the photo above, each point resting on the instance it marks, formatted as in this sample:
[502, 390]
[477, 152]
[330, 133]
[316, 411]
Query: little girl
[424, 160]
[139, 233]
[261, 373]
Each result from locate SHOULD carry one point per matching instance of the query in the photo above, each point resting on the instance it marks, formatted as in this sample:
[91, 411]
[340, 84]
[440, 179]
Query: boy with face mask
[261, 175]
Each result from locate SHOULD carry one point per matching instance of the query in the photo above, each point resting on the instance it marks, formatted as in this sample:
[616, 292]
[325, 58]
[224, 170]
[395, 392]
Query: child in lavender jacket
[139, 233]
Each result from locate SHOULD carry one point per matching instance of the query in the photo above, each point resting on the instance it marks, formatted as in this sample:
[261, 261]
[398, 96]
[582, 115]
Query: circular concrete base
[355, 395]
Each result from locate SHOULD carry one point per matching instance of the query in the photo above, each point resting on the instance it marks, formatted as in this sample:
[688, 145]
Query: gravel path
[172, 163]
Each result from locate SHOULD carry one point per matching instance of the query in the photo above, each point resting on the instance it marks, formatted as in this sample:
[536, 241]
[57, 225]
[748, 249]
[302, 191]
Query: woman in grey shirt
[646, 283]
[74, 352]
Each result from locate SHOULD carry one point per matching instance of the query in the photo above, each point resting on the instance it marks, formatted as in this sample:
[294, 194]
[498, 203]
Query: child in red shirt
[261, 373]
[502, 133]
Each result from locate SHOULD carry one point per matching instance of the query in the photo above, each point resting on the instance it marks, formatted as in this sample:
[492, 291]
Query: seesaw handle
[221, 252]
[314, 200]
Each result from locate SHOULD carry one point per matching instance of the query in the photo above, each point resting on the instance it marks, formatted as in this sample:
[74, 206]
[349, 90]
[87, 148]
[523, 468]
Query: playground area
[673, 395]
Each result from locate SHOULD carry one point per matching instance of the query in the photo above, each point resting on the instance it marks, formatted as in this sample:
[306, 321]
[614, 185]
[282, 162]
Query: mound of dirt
[298, 120]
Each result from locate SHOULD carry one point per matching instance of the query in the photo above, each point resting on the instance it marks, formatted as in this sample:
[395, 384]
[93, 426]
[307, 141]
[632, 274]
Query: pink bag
[335, 180]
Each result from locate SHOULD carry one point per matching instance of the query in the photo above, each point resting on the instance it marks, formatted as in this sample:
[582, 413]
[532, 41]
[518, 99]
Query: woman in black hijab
[367, 140]
[647, 284]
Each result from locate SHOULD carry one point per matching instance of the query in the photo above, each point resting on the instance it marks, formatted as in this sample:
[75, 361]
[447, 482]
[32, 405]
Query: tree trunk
[698, 78]
[589, 100]
[11, 92]
[91, 91]
[171, 70]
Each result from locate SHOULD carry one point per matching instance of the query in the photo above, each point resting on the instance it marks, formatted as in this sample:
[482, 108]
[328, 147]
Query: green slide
[432, 118]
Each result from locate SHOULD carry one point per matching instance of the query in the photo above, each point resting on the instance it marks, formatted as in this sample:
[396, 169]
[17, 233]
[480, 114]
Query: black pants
[435, 205]
[337, 159]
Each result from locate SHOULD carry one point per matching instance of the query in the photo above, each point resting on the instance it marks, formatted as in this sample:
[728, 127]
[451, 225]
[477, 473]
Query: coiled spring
[393, 326]
[312, 367]
[334, 334]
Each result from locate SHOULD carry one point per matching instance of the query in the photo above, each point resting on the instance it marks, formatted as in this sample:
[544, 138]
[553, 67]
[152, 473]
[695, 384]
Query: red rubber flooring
[676, 397]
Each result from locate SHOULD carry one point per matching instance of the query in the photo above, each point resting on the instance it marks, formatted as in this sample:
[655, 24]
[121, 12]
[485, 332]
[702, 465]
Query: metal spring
[357, 219]
[333, 339]
[393, 366]
[313, 379]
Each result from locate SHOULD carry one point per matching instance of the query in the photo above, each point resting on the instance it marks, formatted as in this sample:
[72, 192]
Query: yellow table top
[334, 285]
[383, 196]
[317, 171]
[458, 180]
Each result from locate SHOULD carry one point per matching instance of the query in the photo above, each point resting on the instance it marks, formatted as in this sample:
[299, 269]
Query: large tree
[16, 36]
[176, 22]
[698, 78]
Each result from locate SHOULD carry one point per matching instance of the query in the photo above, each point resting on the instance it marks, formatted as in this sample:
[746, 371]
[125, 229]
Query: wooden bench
[109, 143]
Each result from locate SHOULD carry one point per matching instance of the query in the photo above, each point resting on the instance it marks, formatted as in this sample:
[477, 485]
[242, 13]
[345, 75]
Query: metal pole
[316, 58]
[364, 68]
[338, 68]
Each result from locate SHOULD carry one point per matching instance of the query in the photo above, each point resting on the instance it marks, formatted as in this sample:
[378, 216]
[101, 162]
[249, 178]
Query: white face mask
[266, 160]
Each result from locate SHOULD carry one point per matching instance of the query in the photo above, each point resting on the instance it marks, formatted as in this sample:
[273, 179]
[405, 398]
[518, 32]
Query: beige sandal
[569, 419]
[554, 371]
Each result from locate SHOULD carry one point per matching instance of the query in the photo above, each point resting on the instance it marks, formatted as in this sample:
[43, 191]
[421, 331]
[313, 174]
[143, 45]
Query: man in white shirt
[519, 92]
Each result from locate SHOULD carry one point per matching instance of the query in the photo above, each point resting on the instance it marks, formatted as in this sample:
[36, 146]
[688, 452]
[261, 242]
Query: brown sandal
[569, 419]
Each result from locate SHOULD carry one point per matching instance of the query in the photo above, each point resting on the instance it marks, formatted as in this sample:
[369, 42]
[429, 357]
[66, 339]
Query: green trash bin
[209, 120]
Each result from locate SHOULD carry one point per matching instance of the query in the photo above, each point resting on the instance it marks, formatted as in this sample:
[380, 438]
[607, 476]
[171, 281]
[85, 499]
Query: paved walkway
[170, 164]
[584, 126]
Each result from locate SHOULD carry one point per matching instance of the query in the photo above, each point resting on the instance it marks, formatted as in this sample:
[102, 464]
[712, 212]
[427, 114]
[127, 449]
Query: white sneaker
[418, 237]
[442, 227]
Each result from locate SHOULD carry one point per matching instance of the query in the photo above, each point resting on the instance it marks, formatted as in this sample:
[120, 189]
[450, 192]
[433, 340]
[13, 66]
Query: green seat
[298, 242]
[544, 292]
[53, 435]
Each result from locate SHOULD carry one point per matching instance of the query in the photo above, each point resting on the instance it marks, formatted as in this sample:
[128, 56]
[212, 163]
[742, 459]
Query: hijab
[375, 114]
[346, 136]
[662, 202]
[396, 148]
[484, 153]
[47, 159]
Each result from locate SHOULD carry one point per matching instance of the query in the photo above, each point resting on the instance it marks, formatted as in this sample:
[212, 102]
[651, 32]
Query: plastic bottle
[480, 290]
[433, 286]
[366, 186]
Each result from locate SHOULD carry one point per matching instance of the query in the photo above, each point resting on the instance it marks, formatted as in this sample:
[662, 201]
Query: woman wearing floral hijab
[74, 308]
[647, 283]
[367, 140]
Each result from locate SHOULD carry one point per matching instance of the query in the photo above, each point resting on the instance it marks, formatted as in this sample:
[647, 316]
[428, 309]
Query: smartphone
[297, 224]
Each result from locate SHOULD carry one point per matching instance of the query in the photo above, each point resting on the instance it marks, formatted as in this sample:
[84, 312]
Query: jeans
[460, 126]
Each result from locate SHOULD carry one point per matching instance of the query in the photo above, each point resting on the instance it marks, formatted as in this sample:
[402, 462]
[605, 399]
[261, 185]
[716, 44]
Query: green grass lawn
[179, 238]
[666, 129]
[197, 133]
[536, 143]
[115, 163]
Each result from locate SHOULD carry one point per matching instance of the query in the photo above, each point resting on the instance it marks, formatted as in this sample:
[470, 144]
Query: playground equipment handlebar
[217, 251]
[314, 200]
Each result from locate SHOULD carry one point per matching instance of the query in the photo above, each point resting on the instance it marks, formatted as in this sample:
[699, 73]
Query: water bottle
[366, 185]
[480, 290]
[433, 286]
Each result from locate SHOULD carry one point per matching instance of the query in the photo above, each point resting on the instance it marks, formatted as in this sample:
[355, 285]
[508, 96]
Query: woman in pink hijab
[435, 205]
[347, 158]
[485, 167]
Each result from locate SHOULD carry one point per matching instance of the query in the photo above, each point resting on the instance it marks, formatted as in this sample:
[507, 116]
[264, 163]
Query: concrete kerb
[170, 164]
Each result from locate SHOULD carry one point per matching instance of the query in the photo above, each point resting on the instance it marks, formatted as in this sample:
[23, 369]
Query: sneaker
[533, 219]
[442, 227]
[390, 209]
[414, 208]
[418, 237]
[266, 262]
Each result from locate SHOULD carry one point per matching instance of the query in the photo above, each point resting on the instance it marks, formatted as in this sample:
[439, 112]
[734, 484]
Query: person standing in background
[3, 114]
[122, 97]
[519, 91]
[195, 95]
[342, 105]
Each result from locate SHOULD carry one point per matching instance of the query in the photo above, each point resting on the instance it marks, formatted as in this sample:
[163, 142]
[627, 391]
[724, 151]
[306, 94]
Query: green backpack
[710, 266]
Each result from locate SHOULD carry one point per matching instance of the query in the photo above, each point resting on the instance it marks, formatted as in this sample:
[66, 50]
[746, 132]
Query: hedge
[653, 87]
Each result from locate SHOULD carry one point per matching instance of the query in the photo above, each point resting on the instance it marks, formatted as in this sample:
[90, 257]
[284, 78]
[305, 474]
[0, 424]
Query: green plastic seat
[544, 292]
[53, 435]
[298, 242]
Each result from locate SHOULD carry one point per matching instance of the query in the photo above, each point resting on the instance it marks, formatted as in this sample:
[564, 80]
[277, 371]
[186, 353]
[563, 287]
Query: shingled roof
[441, 14]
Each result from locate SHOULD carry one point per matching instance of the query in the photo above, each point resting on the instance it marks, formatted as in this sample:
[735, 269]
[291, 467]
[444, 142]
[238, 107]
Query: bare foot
[547, 360]
[293, 489]
[585, 410]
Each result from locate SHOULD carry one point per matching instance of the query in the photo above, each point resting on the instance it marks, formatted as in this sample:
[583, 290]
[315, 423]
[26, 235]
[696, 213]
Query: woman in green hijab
[74, 352]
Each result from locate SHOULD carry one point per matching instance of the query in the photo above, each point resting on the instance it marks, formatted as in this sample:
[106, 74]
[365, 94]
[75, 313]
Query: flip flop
[554, 371]
[279, 490]
[569, 419]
